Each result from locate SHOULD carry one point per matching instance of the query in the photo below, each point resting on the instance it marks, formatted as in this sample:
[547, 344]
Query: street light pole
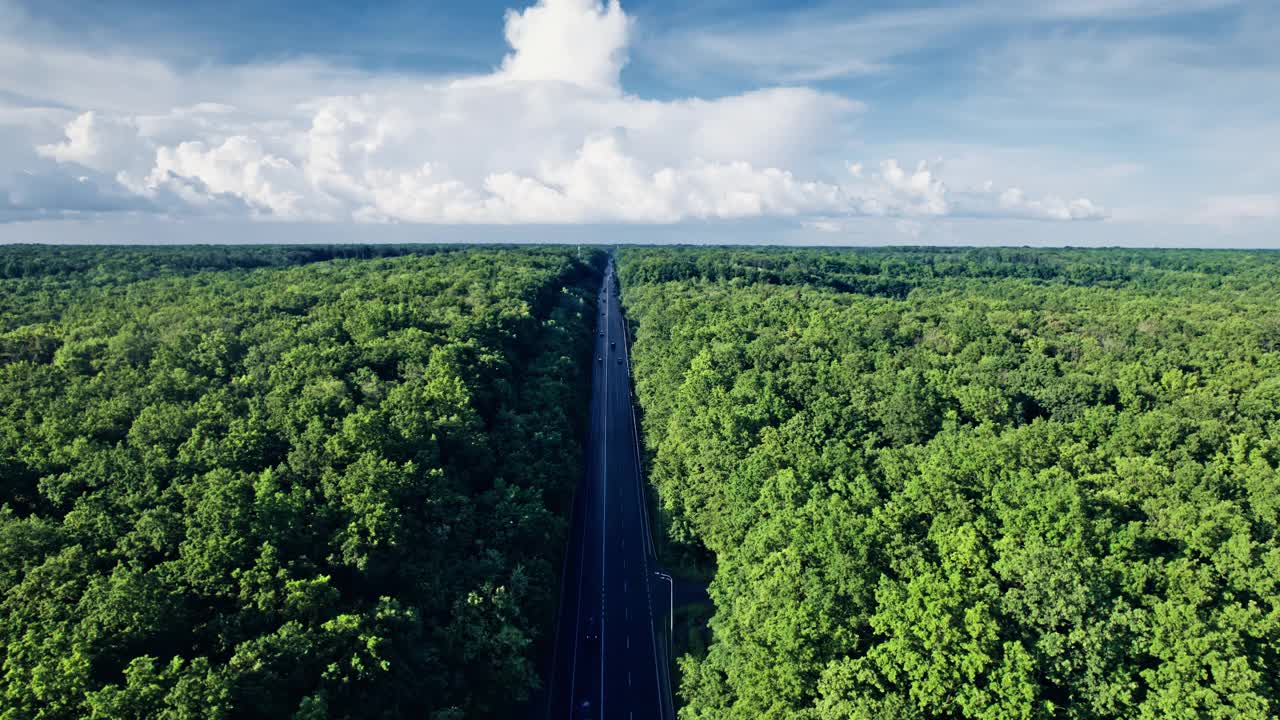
[671, 610]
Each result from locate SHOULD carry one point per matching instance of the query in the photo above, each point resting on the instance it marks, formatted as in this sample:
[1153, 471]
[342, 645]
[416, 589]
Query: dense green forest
[285, 482]
[970, 483]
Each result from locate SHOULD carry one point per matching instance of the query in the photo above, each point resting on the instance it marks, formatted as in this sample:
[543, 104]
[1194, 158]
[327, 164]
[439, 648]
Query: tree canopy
[970, 483]
[285, 482]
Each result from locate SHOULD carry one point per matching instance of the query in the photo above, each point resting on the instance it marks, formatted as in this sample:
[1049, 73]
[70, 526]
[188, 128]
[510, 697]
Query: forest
[273, 482]
[970, 483]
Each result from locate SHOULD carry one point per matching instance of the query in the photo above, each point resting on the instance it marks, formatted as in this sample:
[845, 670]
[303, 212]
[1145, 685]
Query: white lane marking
[628, 642]
[628, 678]
[604, 514]
[582, 553]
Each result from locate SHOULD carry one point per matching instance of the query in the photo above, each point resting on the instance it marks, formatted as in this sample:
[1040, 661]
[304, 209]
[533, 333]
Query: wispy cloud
[841, 40]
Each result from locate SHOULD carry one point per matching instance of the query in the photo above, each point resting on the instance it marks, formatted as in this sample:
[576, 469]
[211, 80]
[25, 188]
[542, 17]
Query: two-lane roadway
[607, 663]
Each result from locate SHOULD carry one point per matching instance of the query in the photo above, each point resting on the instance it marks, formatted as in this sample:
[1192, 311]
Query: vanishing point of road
[610, 655]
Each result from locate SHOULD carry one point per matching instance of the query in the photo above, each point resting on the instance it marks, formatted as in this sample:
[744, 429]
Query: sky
[1058, 122]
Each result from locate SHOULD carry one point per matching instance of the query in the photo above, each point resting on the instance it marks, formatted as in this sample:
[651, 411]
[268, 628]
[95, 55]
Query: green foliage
[285, 482]
[987, 484]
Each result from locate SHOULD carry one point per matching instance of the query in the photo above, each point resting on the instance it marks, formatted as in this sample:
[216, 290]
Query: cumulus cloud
[573, 41]
[550, 136]
[239, 167]
[96, 141]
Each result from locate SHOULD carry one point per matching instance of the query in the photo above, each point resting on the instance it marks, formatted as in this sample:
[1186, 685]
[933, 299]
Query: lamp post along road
[671, 610]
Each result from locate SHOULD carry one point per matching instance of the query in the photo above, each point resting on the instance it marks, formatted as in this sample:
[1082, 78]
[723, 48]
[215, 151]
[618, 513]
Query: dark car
[619, 360]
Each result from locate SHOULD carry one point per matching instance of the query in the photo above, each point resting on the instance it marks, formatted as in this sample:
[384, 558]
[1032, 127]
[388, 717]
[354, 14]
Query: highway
[610, 648]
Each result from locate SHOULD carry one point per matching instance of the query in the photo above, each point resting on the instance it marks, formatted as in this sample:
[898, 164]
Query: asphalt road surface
[610, 650]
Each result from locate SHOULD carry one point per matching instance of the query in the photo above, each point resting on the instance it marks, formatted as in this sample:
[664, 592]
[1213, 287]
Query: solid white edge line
[648, 529]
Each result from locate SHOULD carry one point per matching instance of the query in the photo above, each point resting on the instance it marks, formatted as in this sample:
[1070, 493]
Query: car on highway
[619, 360]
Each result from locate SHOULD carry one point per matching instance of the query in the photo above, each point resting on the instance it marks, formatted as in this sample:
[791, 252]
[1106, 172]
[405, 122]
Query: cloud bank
[549, 136]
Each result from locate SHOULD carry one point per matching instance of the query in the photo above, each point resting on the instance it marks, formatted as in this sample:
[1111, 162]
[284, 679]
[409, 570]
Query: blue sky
[1145, 122]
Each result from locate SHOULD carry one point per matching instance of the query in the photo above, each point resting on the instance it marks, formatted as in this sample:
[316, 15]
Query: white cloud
[548, 137]
[924, 192]
[1015, 203]
[1230, 210]
[239, 167]
[96, 141]
[572, 41]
